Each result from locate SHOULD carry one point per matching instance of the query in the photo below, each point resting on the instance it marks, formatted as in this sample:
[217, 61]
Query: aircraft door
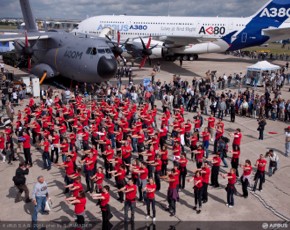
[244, 37]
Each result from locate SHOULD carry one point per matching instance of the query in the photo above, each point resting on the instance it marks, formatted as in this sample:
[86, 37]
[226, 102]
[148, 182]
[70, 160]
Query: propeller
[116, 49]
[146, 51]
[27, 50]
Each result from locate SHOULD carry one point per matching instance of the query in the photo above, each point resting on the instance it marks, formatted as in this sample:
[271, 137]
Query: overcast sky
[80, 9]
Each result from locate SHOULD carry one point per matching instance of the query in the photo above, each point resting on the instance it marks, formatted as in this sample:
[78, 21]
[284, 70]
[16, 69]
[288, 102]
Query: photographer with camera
[262, 123]
[20, 182]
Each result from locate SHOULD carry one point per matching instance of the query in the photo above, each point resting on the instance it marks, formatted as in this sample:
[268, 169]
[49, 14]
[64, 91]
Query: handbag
[48, 205]
[273, 163]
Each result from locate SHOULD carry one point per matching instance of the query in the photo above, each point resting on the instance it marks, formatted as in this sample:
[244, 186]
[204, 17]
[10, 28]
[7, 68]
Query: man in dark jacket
[20, 182]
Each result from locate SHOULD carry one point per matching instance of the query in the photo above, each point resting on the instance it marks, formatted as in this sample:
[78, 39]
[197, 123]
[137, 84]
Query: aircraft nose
[107, 68]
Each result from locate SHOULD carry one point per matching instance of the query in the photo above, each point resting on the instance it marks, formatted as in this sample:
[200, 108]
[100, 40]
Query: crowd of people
[118, 137]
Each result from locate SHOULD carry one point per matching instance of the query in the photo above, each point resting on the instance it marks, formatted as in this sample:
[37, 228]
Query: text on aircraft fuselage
[212, 30]
[72, 54]
[124, 28]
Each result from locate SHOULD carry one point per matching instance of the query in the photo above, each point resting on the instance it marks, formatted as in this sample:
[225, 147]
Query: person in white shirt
[274, 162]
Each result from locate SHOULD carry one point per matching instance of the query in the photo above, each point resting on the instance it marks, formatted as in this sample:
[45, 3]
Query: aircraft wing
[30, 36]
[276, 34]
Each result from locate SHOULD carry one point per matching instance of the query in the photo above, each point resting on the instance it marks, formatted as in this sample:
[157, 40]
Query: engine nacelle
[157, 52]
[207, 47]
[39, 69]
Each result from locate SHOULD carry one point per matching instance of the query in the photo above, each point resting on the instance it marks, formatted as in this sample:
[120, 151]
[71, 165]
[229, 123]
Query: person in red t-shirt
[109, 154]
[199, 154]
[89, 163]
[232, 178]
[130, 190]
[150, 192]
[120, 175]
[158, 165]
[2, 145]
[164, 158]
[260, 174]
[235, 160]
[216, 162]
[26, 148]
[183, 170]
[76, 186]
[69, 170]
[247, 167]
[237, 139]
[45, 154]
[172, 194]
[211, 126]
[205, 140]
[197, 186]
[80, 205]
[99, 178]
[104, 198]
[193, 144]
[205, 173]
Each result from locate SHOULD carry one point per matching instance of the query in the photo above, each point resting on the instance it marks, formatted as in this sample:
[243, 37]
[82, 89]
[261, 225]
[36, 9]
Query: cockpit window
[101, 51]
[92, 51]
[89, 50]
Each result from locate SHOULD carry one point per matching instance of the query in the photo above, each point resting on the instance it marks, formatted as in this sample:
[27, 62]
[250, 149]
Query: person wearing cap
[287, 141]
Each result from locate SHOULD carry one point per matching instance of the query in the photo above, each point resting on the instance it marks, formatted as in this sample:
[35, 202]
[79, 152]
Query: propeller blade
[26, 39]
[29, 64]
[35, 42]
[119, 37]
[153, 47]
[149, 42]
[143, 44]
[143, 62]
[108, 37]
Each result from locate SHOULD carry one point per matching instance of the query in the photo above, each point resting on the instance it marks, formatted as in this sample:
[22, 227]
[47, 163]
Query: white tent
[255, 72]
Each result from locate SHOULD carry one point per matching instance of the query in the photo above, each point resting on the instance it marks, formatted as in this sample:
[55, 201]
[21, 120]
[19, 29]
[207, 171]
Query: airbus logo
[124, 28]
[274, 12]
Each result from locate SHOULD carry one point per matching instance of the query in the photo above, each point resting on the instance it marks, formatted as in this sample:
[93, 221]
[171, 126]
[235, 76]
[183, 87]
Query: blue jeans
[46, 160]
[287, 149]
[112, 138]
[223, 159]
[134, 144]
[39, 207]
[205, 147]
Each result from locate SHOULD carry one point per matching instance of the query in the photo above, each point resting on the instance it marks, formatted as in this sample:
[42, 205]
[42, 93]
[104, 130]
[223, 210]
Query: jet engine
[39, 70]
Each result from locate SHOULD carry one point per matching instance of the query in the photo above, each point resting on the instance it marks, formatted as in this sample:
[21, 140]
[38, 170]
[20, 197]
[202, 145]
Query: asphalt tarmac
[268, 209]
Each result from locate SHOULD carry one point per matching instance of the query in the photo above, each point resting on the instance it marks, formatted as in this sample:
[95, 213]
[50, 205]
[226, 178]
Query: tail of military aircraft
[29, 20]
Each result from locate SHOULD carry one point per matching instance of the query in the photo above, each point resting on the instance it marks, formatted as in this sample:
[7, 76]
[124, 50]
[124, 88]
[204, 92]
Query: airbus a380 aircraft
[189, 36]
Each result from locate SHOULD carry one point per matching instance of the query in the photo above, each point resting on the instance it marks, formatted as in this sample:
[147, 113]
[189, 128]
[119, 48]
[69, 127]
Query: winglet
[28, 17]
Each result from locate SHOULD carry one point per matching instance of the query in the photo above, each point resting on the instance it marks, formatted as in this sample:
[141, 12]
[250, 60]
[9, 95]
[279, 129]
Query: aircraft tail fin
[29, 20]
[277, 10]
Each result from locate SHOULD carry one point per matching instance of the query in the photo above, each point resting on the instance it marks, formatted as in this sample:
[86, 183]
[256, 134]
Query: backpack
[18, 180]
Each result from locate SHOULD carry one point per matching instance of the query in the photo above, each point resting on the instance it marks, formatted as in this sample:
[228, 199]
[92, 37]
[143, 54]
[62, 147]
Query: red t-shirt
[196, 179]
[69, 170]
[80, 207]
[237, 140]
[237, 155]
[248, 171]
[2, 142]
[172, 184]
[194, 141]
[199, 155]
[99, 178]
[90, 166]
[46, 146]
[211, 122]
[217, 161]
[26, 143]
[205, 176]
[260, 167]
[158, 166]
[131, 196]
[164, 156]
[76, 191]
[205, 136]
[151, 195]
[105, 201]
[144, 174]
[122, 173]
[141, 139]
[232, 180]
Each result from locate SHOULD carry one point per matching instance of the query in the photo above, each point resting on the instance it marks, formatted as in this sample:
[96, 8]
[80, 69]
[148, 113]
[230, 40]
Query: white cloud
[79, 9]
